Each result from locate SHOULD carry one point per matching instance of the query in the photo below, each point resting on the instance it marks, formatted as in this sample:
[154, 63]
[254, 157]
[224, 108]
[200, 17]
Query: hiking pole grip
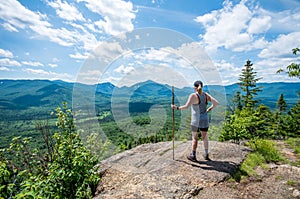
[173, 120]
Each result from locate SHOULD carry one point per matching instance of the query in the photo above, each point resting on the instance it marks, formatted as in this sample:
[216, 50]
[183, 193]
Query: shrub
[72, 173]
[263, 151]
[266, 148]
[68, 171]
[6, 188]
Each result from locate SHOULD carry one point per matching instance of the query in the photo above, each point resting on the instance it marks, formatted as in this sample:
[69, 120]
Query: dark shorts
[197, 129]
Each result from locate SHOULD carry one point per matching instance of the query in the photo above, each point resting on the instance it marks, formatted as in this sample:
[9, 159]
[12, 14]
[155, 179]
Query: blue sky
[56, 39]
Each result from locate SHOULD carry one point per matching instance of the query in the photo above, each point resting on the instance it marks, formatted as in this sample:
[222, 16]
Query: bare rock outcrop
[149, 171]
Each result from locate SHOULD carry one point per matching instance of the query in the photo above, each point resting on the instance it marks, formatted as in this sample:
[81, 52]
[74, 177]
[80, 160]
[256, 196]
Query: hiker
[199, 120]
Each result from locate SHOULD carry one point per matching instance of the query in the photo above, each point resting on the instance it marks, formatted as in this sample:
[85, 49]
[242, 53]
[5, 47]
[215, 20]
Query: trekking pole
[173, 120]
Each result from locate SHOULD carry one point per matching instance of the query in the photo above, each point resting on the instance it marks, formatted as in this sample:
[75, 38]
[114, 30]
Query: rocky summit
[149, 171]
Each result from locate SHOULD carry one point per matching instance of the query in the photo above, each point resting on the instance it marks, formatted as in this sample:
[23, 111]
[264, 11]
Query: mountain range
[26, 94]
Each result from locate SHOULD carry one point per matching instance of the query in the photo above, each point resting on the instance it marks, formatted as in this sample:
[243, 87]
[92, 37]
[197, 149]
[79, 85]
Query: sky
[168, 41]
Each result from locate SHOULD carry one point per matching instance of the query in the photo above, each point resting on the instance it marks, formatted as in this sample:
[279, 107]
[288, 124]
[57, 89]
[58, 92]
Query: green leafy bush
[248, 124]
[6, 188]
[68, 171]
[264, 151]
[266, 148]
[253, 160]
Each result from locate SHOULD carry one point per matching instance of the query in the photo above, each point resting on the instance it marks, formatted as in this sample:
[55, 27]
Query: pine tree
[295, 120]
[281, 104]
[248, 85]
[237, 101]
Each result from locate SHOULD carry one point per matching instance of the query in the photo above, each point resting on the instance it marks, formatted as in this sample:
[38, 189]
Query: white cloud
[9, 27]
[209, 19]
[4, 68]
[233, 27]
[268, 38]
[91, 73]
[186, 56]
[268, 68]
[161, 74]
[111, 79]
[61, 36]
[82, 36]
[55, 60]
[194, 55]
[101, 58]
[89, 76]
[16, 16]
[188, 62]
[154, 54]
[53, 65]
[285, 21]
[224, 66]
[259, 24]
[259, 43]
[9, 62]
[91, 26]
[19, 17]
[6, 53]
[108, 51]
[66, 11]
[117, 15]
[48, 74]
[124, 69]
[37, 71]
[282, 46]
[78, 56]
[31, 63]
[228, 71]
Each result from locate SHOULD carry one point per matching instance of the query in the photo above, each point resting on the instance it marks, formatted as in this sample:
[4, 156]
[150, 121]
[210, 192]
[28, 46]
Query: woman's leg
[194, 141]
[204, 135]
[192, 156]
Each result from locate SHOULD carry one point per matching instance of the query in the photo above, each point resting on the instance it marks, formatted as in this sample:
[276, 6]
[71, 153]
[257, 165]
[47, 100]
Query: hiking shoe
[206, 157]
[192, 158]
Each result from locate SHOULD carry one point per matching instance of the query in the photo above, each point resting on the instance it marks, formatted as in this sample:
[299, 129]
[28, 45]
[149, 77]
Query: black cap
[197, 83]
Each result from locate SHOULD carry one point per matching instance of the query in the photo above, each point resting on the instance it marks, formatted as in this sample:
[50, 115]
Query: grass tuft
[295, 144]
[264, 151]
[266, 148]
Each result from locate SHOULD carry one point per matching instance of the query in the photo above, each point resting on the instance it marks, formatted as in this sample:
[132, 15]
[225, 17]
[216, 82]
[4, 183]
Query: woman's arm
[191, 100]
[213, 101]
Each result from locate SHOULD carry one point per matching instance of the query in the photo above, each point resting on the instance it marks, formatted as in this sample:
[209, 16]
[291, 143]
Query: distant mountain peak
[147, 82]
[107, 84]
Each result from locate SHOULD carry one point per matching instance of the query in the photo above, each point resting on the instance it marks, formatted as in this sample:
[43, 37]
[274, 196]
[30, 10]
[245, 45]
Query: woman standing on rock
[199, 121]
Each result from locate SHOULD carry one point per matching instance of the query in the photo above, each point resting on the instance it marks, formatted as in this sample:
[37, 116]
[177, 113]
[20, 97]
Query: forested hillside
[24, 103]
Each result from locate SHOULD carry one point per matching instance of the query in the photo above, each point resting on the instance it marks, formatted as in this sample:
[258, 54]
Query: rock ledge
[149, 171]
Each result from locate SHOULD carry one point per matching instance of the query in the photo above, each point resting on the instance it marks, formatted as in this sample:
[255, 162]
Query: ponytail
[198, 85]
[199, 89]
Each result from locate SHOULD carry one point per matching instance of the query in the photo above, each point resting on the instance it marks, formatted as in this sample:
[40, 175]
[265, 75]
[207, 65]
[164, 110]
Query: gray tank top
[199, 114]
